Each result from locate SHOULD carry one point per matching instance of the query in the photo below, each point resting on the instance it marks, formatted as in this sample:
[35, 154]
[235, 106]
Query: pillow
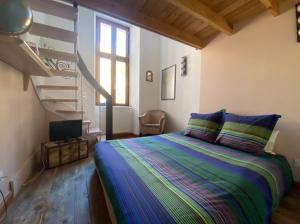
[205, 126]
[247, 133]
[269, 148]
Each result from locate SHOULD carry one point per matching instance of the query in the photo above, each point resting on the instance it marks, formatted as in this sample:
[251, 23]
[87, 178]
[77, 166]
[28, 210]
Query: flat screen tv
[64, 130]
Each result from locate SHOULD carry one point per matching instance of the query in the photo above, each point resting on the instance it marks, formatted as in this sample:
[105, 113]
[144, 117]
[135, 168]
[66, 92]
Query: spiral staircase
[48, 55]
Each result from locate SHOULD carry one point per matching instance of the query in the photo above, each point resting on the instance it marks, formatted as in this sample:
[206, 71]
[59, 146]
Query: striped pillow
[205, 126]
[247, 133]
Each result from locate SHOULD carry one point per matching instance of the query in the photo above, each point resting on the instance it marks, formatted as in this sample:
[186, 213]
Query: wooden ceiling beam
[201, 11]
[226, 11]
[272, 5]
[126, 13]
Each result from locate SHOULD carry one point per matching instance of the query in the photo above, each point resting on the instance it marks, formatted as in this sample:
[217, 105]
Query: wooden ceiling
[194, 22]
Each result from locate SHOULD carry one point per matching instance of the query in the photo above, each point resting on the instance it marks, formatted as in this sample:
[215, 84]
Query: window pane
[105, 76]
[105, 38]
[121, 42]
[120, 82]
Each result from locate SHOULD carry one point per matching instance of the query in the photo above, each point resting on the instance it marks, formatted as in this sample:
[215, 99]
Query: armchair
[153, 122]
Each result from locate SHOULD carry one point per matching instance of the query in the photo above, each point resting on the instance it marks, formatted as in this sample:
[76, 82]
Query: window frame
[114, 58]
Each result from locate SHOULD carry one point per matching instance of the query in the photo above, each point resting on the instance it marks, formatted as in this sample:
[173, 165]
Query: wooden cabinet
[60, 153]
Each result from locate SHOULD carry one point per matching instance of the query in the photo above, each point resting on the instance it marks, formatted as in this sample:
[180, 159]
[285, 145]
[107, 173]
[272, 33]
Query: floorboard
[73, 194]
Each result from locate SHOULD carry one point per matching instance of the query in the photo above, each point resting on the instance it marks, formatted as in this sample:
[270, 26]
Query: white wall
[86, 48]
[256, 72]
[144, 56]
[149, 60]
[134, 78]
[23, 127]
[187, 98]
[123, 118]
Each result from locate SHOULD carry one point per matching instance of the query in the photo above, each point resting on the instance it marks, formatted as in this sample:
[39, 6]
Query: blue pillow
[247, 133]
[205, 126]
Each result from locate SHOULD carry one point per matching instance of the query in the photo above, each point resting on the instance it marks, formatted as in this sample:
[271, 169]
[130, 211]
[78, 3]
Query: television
[65, 130]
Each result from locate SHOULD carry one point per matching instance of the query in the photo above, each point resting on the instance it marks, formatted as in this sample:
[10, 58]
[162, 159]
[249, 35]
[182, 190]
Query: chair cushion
[247, 133]
[205, 126]
[152, 125]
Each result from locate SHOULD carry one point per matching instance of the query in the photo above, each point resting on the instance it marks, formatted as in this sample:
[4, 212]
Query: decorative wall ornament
[149, 76]
[56, 64]
[168, 83]
[298, 21]
[184, 66]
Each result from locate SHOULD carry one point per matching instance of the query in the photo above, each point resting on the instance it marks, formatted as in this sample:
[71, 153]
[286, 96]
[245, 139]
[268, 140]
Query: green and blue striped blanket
[173, 178]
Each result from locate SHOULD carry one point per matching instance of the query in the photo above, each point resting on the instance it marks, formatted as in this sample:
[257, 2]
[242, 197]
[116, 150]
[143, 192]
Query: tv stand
[66, 151]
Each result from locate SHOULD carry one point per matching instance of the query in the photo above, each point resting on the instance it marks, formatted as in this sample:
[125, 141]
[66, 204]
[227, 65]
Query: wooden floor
[73, 194]
[68, 194]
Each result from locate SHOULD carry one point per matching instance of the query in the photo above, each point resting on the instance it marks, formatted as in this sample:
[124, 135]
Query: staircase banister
[90, 78]
[109, 111]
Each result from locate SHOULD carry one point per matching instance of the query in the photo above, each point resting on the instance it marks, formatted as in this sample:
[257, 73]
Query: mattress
[173, 178]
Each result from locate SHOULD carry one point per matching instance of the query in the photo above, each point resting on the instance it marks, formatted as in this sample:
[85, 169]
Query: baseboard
[297, 186]
[27, 168]
[8, 199]
[124, 135]
[16, 182]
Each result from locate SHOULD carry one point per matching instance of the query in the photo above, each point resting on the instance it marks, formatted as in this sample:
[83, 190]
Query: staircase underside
[56, 87]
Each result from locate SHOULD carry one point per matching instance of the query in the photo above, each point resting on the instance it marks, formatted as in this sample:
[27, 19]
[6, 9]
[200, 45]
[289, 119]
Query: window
[112, 61]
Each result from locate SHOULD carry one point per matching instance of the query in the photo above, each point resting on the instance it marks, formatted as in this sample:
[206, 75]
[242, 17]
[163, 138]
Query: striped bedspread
[173, 178]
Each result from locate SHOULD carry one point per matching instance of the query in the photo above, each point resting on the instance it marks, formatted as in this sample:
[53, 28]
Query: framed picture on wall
[168, 83]
[149, 76]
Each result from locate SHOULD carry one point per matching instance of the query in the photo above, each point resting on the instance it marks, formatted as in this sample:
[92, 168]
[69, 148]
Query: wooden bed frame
[108, 203]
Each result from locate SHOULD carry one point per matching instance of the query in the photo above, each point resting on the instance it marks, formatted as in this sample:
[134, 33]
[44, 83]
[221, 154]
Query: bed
[173, 178]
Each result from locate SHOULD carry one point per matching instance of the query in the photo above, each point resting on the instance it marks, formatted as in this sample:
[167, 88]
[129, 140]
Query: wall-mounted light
[298, 21]
[184, 66]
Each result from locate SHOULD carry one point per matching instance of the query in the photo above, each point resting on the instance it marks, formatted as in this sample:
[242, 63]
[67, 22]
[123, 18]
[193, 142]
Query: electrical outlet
[2, 177]
[297, 163]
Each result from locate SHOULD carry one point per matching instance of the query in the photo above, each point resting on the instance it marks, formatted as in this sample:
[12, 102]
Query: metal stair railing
[109, 110]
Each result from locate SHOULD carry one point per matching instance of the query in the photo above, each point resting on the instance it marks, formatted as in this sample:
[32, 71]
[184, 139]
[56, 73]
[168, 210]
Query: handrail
[109, 110]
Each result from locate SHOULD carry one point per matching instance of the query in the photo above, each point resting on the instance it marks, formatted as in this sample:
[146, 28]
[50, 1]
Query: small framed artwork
[298, 21]
[168, 83]
[149, 76]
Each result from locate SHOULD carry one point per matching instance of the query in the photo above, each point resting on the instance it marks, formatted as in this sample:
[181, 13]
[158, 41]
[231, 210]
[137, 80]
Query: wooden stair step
[59, 55]
[54, 8]
[64, 73]
[59, 100]
[55, 87]
[19, 55]
[53, 32]
[86, 122]
[70, 111]
[94, 131]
